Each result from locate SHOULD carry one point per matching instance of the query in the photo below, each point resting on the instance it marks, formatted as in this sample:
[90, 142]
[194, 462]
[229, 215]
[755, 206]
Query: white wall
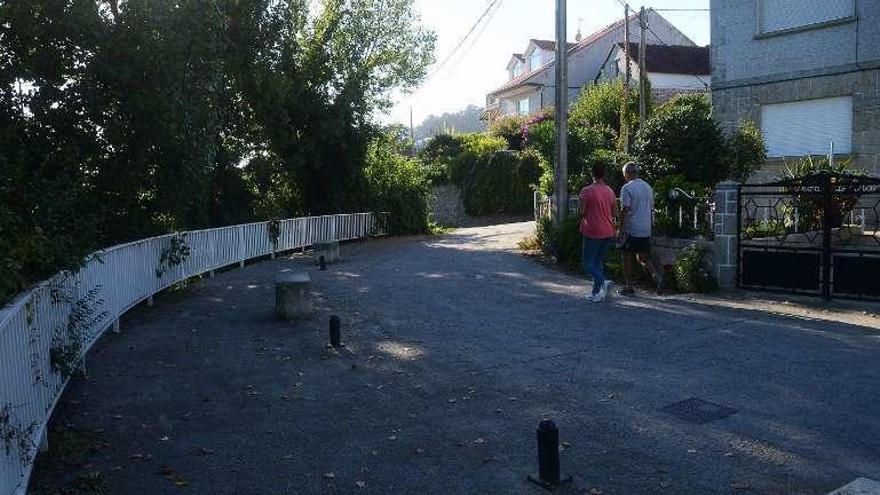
[676, 81]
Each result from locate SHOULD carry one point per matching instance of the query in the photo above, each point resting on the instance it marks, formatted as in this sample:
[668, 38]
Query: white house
[671, 70]
[531, 75]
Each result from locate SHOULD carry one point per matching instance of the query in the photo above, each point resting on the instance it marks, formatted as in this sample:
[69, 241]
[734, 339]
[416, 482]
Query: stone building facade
[793, 60]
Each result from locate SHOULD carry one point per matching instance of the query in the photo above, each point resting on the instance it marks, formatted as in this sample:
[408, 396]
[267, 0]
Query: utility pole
[561, 112]
[412, 131]
[624, 112]
[643, 73]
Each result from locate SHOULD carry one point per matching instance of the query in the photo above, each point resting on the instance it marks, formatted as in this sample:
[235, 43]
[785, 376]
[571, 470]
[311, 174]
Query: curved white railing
[37, 324]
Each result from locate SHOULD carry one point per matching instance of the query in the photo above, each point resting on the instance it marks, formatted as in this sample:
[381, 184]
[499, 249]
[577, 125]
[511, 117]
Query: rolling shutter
[808, 127]
[777, 15]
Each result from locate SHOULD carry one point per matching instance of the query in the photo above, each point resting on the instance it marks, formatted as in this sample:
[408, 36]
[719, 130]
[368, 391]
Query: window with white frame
[809, 127]
[524, 106]
[779, 15]
[535, 59]
[517, 69]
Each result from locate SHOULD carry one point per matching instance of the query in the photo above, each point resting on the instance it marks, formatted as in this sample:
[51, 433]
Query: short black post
[548, 456]
[335, 331]
[322, 262]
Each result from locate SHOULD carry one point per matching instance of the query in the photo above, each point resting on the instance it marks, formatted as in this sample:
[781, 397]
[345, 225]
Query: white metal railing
[698, 215]
[112, 281]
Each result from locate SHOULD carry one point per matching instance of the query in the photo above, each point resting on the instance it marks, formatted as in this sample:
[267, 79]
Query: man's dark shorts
[638, 245]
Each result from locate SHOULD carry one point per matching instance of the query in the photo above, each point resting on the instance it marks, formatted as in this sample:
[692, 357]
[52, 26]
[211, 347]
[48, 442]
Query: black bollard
[322, 262]
[335, 331]
[548, 456]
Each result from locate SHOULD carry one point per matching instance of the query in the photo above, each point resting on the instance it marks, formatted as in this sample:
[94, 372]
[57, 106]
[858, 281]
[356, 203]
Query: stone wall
[447, 207]
[666, 250]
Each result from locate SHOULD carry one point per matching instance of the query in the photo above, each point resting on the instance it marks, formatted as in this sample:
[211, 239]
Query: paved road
[456, 347]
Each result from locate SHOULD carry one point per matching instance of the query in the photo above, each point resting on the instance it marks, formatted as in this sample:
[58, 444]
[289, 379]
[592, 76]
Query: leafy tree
[601, 106]
[127, 118]
[682, 138]
[396, 183]
[747, 151]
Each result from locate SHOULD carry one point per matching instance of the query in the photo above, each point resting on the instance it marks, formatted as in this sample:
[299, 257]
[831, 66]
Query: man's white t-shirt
[638, 196]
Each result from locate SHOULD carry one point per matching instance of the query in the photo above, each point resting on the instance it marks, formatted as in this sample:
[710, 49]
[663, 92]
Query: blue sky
[479, 66]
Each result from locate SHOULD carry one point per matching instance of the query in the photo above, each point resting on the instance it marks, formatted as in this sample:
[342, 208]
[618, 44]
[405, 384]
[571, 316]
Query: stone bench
[329, 250]
[293, 297]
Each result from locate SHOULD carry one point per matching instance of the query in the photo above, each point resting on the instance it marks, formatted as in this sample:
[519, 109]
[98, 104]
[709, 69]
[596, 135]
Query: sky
[480, 65]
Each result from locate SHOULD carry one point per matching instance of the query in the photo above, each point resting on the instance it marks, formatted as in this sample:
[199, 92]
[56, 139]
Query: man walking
[597, 228]
[634, 236]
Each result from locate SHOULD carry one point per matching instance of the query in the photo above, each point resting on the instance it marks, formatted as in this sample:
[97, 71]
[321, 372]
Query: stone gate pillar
[726, 236]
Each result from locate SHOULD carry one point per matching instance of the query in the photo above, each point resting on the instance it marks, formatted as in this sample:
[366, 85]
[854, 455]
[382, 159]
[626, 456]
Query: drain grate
[699, 411]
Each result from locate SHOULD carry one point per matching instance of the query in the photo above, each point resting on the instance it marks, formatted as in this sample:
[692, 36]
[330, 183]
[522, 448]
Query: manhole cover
[698, 411]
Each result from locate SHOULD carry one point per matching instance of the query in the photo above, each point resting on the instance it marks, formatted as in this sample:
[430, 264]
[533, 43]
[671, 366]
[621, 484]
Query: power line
[477, 37]
[464, 38]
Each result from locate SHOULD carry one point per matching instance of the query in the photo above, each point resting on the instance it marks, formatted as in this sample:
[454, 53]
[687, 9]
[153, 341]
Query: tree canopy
[124, 118]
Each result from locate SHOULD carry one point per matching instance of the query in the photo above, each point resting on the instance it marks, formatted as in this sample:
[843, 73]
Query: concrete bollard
[328, 250]
[293, 297]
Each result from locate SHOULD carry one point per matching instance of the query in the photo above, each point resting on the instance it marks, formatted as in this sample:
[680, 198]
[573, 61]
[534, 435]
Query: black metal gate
[816, 235]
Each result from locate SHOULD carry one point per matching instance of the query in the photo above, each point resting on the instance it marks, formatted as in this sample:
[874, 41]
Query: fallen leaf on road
[452, 401]
[419, 451]
[136, 457]
[392, 437]
[479, 441]
[741, 486]
[329, 476]
[594, 491]
[692, 451]
[361, 484]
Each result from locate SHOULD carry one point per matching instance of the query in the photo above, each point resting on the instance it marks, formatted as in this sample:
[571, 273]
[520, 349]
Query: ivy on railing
[176, 253]
[68, 341]
[13, 435]
[274, 230]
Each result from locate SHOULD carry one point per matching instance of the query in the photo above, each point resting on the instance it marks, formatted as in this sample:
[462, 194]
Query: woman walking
[597, 228]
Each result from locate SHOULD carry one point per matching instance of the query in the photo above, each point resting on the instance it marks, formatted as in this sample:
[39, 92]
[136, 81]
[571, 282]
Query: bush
[586, 145]
[747, 151]
[510, 128]
[437, 156]
[600, 106]
[495, 180]
[682, 138]
[396, 183]
[692, 270]
[563, 243]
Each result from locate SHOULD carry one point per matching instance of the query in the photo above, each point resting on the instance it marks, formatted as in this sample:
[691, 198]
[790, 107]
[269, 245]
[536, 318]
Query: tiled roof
[548, 45]
[693, 60]
[572, 48]
[602, 32]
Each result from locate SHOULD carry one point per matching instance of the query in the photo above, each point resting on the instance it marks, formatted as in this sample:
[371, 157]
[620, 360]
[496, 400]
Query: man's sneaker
[593, 297]
[606, 291]
[627, 291]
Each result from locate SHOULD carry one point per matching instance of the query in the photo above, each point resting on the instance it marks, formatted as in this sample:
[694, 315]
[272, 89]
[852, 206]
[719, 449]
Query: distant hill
[466, 120]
